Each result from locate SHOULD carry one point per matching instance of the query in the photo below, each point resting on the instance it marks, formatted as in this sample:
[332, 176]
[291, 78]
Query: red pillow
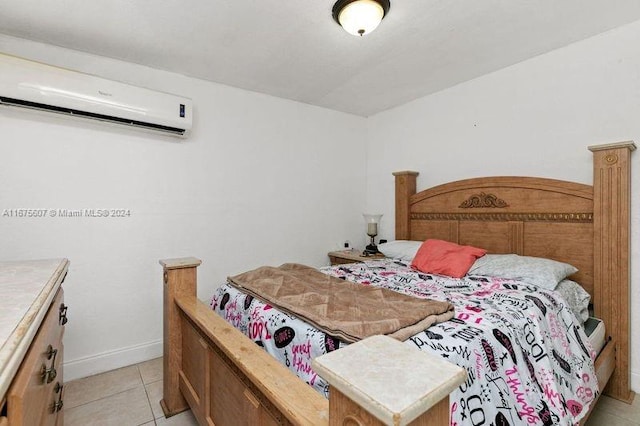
[446, 258]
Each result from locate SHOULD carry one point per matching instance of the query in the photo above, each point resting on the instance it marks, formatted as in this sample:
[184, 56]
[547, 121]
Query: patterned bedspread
[527, 358]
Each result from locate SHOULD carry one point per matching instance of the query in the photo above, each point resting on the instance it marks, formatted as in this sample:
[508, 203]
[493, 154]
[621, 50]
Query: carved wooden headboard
[523, 215]
[586, 226]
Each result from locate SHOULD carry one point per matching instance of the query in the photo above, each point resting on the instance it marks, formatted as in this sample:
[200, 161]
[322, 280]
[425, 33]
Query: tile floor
[130, 396]
[611, 412]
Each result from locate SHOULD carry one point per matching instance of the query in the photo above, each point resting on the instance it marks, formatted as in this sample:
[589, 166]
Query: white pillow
[545, 273]
[577, 298]
[400, 249]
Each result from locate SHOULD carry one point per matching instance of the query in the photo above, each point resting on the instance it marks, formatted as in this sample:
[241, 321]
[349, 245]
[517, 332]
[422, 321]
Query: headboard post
[405, 188]
[612, 238]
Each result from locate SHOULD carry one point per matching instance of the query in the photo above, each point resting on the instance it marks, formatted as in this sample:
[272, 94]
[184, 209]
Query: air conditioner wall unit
[33, 85]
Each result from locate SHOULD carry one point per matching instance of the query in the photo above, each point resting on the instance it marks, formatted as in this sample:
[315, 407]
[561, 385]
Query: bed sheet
[527, 357]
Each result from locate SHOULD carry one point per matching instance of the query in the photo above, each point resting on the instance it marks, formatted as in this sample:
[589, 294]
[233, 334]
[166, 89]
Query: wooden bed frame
[226, 379]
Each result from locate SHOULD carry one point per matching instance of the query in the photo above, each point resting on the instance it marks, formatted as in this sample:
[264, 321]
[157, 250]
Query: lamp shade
[360, 17]
[372, 221]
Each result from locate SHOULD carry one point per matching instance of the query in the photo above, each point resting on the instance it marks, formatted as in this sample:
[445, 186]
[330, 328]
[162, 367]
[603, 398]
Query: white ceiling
[293, 49]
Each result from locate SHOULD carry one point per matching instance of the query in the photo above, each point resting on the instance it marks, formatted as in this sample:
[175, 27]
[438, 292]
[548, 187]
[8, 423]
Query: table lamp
[372, 221]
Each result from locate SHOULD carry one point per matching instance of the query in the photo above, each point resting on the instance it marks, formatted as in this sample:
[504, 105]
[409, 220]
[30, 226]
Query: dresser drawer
[32, 397]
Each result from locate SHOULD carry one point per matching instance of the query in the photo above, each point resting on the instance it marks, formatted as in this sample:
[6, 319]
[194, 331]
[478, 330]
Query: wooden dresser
[32, 319]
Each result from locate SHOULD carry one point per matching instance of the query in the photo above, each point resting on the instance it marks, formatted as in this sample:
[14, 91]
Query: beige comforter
[342, 309]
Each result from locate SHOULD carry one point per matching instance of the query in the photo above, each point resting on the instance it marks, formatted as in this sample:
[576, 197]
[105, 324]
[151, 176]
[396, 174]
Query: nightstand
[350, 256]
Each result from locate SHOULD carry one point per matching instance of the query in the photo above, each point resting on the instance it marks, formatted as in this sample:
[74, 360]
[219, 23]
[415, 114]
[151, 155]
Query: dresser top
[26, 290]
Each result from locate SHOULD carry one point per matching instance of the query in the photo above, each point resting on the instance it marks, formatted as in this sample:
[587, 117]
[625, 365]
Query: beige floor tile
[182, 419]
[154, 392]
[619, 408]
[151, 371]
[603, 418]
[126, 408]
[92, 388]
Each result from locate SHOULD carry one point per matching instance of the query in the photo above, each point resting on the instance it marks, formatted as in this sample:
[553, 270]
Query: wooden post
[372, 385]
[611, 209]
[180, 279]
[405, 188]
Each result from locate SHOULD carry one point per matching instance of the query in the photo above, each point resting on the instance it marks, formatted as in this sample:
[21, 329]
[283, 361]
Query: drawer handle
[57, 405]
[48, 374]
[62, 316]
[51, 353]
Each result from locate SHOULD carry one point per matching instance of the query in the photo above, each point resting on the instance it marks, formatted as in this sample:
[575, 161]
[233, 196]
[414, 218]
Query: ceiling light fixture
[360, 17]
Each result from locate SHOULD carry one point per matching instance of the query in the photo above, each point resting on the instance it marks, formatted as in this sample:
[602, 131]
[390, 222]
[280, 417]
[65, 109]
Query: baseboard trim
[99, 363]
[635, 382]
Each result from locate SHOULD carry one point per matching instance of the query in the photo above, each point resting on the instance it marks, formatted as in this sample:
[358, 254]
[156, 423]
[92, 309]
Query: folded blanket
[342, 309]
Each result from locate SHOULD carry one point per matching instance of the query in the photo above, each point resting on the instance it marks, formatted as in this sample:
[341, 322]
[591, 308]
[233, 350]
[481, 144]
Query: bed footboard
[226, 379]
[216, 371]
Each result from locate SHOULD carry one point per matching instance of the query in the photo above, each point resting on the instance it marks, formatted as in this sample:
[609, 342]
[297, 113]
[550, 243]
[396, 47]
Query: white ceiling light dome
[360, 17]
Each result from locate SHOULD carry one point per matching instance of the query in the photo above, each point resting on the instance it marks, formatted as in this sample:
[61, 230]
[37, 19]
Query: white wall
[261, 181]
[535, 118]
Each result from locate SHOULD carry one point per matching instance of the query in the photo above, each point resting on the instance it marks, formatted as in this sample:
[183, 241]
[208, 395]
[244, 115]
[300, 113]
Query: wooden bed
[226, 379]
